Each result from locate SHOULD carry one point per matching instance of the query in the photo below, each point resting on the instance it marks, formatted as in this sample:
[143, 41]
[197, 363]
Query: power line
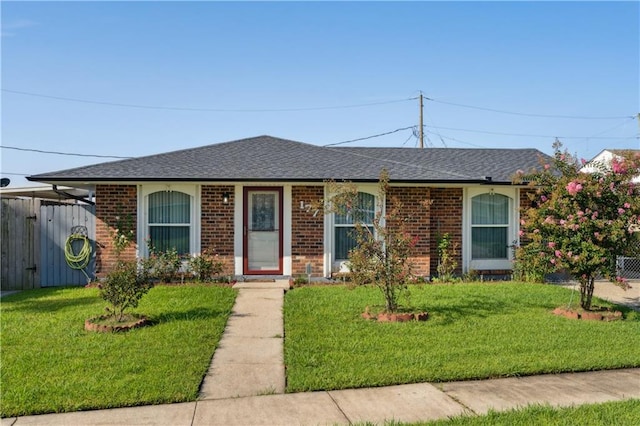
[577, 117]
[455, 140]
[534, 136]
[62, 153]
[370, 137]
[174, 108]
[15, 174]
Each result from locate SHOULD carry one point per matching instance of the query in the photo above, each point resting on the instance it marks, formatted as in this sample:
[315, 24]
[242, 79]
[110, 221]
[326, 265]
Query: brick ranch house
[248, 201]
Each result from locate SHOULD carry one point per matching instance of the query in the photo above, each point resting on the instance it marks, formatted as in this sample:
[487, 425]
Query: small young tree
[581, 222]
[124, 286]
[381, 256]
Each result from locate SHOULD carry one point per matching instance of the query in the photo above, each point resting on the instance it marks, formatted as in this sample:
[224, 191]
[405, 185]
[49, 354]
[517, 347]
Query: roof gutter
[72, 196]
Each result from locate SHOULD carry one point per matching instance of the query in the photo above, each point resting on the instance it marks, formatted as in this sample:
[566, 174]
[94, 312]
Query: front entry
[262, 231]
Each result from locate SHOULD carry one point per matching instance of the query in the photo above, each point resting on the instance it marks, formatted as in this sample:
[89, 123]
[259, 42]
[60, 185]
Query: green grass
[619, 413]
[49, 363]
[475, 331]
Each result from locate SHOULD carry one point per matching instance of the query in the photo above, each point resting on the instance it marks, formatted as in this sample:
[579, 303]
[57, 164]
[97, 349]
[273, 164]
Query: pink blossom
[596, 234]
[551, 244]
[618, 166]
[574, 187]
[521, 232]
[562, 221]
[553, 261]
[543, 198]
[627, 205]
[549, 220]
[594, 216]
[621, 210]
[558, 253]
[547, 167]
[580, 213]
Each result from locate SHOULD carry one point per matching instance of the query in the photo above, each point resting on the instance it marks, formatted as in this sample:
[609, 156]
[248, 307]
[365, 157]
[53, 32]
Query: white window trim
[512, 234]
[332, 265]
[143, 220]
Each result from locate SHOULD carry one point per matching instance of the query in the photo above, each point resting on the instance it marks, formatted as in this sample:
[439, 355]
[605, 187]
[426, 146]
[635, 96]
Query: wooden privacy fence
[18, 245]
[34, 236]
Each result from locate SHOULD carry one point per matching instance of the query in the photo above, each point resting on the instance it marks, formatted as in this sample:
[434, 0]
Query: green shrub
[205, 266]
[123, 288]
[447, 264]
[162, 265]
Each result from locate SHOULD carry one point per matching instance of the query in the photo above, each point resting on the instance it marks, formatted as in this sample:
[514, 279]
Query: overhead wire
[63, 153]
[533, 135]
[576, 117]
[175, 108]
[369, 137]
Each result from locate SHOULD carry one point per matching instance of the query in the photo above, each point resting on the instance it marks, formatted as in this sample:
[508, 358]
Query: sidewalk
[246, 381]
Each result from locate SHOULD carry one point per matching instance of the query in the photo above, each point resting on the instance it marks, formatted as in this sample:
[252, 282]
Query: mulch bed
[595, 314]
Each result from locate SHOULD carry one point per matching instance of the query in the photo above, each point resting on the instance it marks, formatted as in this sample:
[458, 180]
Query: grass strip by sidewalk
[49, 363]
[475, 331]
[619, 413]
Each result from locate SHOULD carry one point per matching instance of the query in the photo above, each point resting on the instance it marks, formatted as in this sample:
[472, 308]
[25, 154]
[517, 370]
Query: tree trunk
[586, 292]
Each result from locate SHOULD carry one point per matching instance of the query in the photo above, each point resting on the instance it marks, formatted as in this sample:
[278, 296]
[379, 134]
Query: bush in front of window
[205, 266]
[162, 265]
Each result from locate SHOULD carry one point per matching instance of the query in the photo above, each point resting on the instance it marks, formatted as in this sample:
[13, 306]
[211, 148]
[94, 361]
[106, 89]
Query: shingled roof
[265, 158]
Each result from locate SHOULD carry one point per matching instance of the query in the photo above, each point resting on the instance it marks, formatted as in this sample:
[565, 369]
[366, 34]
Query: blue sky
[209, 72]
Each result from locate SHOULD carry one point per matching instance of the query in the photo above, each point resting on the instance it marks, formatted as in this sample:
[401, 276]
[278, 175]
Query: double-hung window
[490, 226]
[362, 212]
[169, 221]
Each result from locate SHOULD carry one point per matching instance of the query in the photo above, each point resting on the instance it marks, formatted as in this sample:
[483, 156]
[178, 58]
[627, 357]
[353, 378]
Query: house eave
[89, 182]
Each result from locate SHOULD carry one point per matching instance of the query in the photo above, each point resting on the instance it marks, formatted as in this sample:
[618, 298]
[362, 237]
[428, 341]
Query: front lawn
[49, 363]
[475, 331]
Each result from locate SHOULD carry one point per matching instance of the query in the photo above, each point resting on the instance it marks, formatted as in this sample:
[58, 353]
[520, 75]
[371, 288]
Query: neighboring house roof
[265, 158]
[604, 159]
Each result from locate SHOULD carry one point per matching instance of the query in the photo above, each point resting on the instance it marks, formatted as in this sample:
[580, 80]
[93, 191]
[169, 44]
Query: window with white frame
[169, 221]
[490, 226]
[363, 212]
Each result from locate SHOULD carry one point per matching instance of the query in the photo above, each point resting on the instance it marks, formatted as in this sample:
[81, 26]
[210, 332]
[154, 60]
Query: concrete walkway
[249, 360]
[246, 381]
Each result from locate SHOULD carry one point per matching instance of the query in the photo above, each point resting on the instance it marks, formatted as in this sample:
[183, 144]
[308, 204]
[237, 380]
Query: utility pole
[421, 132]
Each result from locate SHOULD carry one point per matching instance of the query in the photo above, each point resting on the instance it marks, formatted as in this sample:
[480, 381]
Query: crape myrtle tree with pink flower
[580, 222]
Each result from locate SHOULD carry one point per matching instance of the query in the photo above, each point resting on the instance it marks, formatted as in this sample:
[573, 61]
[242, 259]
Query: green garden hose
[81, 259]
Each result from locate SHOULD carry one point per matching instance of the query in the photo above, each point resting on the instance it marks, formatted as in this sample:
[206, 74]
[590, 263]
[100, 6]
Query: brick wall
[307, 231]
[526, 195]
[116, 205]
[446, 217]
[415, 211]
[216, 223]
